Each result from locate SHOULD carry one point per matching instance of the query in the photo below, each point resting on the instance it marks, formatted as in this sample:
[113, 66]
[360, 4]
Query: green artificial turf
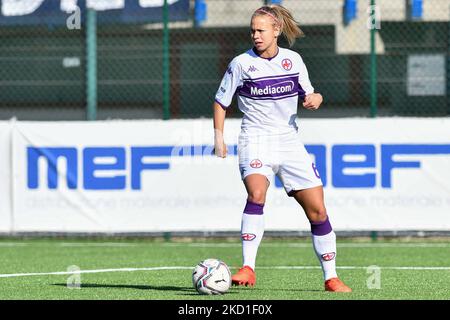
[286, 269]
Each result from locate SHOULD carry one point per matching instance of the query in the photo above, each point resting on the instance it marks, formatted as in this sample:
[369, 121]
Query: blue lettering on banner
[342, 180]
[389, 150]
[116, 170]
[91, 182]
[90, 166]
[54, 12]
[52, 155]
[137, 166]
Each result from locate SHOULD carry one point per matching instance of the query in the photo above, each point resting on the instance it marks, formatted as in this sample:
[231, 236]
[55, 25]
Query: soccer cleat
[244, 277]
[336, 285]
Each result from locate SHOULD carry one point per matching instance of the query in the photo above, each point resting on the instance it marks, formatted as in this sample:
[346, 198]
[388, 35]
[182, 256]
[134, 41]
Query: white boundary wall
[5, 177]
[162, 177]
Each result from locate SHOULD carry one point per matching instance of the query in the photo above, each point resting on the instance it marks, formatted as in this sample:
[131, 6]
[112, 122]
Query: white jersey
[267, 91]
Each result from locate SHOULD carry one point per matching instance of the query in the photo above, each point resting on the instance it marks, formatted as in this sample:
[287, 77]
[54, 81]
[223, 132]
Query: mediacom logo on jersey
[282, 87]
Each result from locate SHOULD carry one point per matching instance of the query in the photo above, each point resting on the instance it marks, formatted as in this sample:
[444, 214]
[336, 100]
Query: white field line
[91, 271]
[308, 245]
[221, 245]
[99, 244]
[71, 244]
[13, 244]
[15, 275]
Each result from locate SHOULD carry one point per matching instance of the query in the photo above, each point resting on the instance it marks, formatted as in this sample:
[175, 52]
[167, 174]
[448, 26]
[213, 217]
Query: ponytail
[284, 19]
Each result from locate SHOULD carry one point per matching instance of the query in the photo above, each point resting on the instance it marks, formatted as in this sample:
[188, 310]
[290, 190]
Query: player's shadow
[297, 290]
[187, 291]
[130, 286]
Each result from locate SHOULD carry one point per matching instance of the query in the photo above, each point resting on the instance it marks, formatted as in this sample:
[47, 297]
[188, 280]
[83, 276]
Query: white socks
[252, 231]
[325, 248]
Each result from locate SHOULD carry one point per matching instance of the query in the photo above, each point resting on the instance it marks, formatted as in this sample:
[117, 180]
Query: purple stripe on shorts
[253, 208]
[321, 228]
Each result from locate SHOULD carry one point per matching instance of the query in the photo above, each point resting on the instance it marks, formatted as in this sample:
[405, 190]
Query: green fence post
[91, 64]
[166, 63]
[373, 62]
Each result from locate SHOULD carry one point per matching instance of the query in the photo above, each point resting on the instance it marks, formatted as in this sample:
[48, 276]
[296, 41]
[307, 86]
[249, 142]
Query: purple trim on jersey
[256, 52]
[253, 208]
[301, 93]
[279, 88]
[321, 228]
[280, 98]
[272, 77]
[223, 107]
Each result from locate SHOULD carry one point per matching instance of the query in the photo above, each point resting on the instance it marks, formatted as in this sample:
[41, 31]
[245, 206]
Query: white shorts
[284, 156]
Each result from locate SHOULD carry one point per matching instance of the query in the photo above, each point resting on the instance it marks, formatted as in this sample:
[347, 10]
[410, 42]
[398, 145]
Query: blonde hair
[283, 19]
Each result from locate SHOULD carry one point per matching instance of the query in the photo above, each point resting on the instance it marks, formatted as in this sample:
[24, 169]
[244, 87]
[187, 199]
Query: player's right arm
[230, 82]
[220, 148]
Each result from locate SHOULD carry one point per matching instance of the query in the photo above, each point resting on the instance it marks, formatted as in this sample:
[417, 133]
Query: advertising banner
[149, 176]
[5, 176]
[57, 12]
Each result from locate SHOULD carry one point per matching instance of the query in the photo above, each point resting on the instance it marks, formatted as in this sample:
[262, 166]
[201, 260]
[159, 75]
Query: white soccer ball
[211, 276]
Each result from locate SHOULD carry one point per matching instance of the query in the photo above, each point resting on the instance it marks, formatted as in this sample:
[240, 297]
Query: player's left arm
[313, 101]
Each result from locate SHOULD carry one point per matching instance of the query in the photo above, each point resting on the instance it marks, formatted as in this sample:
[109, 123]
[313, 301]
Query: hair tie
[268, 13]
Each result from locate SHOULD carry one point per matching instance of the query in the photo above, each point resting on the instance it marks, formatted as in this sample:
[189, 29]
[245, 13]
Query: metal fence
[367, 58]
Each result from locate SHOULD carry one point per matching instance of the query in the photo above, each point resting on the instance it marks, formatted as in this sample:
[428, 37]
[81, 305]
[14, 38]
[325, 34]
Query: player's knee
[257, 196]
[318, 215]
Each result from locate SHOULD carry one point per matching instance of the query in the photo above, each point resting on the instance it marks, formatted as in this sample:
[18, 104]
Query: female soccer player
[268, 81]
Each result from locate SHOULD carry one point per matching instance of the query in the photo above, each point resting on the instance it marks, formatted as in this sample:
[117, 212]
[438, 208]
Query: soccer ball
[211, 276]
